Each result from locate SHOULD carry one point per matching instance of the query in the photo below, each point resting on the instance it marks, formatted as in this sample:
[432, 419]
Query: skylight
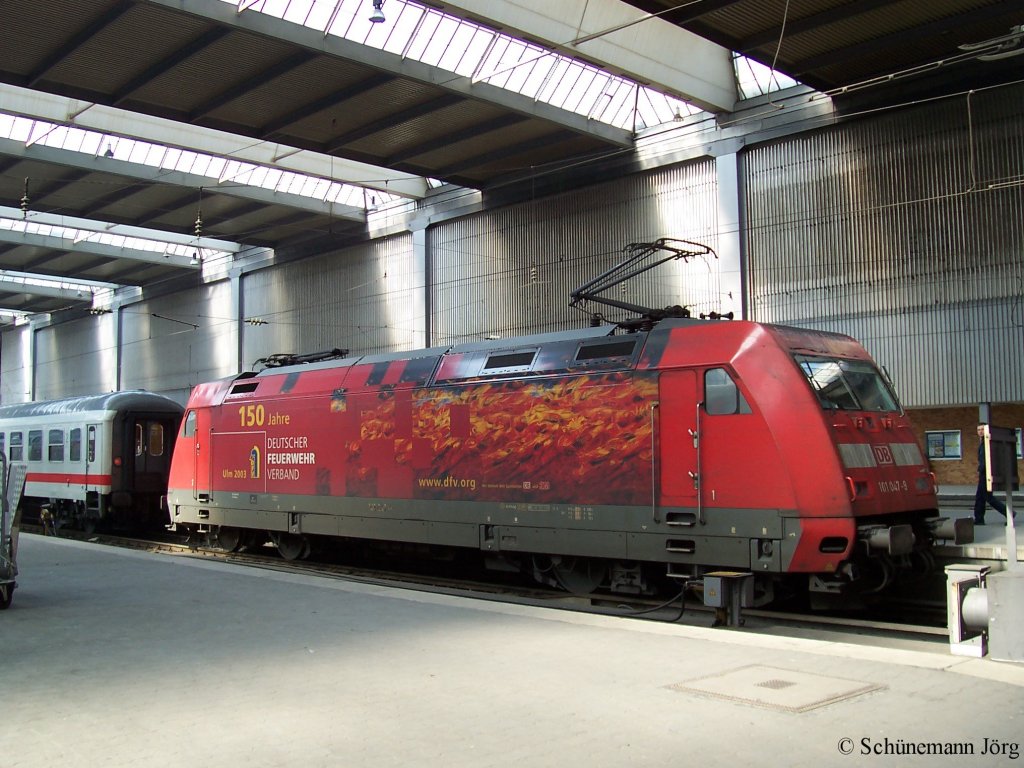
[469, 49]
[755, 79]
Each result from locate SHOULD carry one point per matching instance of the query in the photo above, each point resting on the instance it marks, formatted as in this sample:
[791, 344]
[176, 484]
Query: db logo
[882, 454]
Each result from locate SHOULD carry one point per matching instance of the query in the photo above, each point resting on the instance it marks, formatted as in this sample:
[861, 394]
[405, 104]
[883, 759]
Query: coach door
[676, 426]
[92, 461]
[152, 455]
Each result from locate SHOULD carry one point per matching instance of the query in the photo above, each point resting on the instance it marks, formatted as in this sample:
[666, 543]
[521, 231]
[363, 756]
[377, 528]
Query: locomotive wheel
[579, 575]
[229, 539]
[291, 546]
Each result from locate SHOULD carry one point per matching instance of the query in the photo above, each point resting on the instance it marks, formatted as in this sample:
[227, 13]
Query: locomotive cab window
[847, 385]
[188, 427]
[55, 445]
[17, 448]
[721, 395]
[35, 445]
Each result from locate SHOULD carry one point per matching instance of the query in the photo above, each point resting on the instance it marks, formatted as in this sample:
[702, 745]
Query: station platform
[115, 657]
[989, 539]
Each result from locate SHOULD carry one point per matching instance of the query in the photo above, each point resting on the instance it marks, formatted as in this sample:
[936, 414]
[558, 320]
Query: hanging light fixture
[198, 229]
[378, 12]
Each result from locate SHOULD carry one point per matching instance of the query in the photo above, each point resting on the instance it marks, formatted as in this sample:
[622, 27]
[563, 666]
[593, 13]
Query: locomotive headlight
[117, 461]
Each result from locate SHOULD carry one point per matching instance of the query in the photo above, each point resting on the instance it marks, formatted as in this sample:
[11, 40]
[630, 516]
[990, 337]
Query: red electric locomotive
[590, 455]
[605, 456]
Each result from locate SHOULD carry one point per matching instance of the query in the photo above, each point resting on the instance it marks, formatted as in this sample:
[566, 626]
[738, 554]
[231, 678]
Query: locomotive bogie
[691, 446]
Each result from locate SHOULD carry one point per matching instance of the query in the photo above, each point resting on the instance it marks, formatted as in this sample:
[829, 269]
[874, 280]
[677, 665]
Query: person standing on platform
[984, 496]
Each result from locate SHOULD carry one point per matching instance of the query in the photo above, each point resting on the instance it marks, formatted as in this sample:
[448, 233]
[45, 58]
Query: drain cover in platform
[776, 688]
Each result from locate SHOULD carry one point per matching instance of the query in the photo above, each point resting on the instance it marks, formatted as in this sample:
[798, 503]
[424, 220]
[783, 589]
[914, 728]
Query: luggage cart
[13, 480]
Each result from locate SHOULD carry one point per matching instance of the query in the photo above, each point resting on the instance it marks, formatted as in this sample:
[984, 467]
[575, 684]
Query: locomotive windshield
[847, 385]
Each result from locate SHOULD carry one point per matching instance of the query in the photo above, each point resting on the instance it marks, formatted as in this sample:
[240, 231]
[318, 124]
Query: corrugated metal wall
[366, 299]
[15, 366]
[175, 342]
[76, 358]
[510, 272]
[904, 230]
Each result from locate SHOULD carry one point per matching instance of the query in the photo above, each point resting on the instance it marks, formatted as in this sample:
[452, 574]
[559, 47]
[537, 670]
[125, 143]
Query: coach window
[3, 444]
[16, 447]
[75, 444]
[35, 445]
[91, 445]
[55, 445]
[156, 439]
[139, 447]
[721, 395]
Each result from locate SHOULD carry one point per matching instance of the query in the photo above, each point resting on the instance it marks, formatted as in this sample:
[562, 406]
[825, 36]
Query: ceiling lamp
[378, 12]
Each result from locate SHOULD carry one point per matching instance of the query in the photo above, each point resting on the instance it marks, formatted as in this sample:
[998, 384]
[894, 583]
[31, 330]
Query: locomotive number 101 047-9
[893, 486]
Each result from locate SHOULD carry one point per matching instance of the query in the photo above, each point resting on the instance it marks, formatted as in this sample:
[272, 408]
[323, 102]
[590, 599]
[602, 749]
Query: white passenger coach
[95, 460]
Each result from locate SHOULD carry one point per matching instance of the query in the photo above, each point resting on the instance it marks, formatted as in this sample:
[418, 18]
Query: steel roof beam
[157, 130]
[73, 282]
[392, 64]
[92, 248]
[16, 287]
[125, 230]
[618, 37]
[153, 175]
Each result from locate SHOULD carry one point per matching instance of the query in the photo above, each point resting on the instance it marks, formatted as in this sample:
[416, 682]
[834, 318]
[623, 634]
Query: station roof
[209, 126]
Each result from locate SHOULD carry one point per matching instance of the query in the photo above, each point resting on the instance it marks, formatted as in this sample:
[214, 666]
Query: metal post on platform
[1000, 454]
[1000, 598]
[727, 592]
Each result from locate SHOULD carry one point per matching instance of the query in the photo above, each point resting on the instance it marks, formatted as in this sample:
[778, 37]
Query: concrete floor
[109, 657]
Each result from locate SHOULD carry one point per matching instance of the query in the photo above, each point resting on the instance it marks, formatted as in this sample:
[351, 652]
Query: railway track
[927, 625]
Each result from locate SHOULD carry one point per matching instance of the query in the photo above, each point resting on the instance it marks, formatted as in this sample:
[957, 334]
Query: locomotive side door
[198, 426]
[677, 424]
